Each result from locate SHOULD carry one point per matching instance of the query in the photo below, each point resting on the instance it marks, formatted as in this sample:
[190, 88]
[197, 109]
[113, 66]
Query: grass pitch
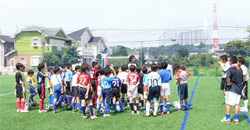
[205, 113]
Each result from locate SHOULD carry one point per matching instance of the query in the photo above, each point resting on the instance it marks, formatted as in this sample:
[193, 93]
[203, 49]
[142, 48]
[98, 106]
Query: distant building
[6, 46]
[88, 45]
[137, 54]
[197, 51]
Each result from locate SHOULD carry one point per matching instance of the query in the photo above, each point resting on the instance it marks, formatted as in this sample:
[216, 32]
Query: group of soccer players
[234, 85]
[86, 88]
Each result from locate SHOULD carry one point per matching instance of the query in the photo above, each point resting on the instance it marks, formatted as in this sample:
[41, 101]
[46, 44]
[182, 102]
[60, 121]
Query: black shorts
[68, 91]
[82, 94]
[223, 84]
[75, 91]
[116, 93]
[244, 91]
[183, 91]
[41, 90]
[124, 88]
[154, 92]
[19, 91]
[140, 89]
[93, 83]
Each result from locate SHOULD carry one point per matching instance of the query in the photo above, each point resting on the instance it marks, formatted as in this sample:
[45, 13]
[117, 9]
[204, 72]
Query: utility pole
[141, 54]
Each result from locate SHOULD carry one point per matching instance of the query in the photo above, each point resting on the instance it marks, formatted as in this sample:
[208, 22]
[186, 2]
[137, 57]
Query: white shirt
[245, 71]
[74, 80]
[225, 67]
[123, 77]
[55, 79]
[153, 79]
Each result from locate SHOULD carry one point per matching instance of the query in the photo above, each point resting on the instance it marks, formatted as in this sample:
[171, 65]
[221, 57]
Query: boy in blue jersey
[153, 84]
[116, 89]
[41, 86]
[106, 83]
[32, 87]
[165, 91]
[68, 80]
[50, 87]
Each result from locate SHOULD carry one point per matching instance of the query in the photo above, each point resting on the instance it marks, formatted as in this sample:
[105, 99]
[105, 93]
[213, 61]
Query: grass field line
[190, 101]
[244, 114]
[6, 94]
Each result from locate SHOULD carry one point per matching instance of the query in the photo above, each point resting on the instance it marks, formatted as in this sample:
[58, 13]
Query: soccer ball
[69, 107]
[27, 106]
[33, 103]
[101, 110]
[47, 107]
[177, 105]
[135, 108]
[164, 109]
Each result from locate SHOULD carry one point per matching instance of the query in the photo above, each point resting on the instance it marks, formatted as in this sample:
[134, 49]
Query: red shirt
[133, 78]
[99, 80]
[83, 79]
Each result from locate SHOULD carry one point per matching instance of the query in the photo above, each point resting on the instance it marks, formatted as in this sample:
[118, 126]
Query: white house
[6, 45]
[88, 45]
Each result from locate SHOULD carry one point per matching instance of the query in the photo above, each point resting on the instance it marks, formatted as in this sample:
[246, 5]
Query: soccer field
[205, 113]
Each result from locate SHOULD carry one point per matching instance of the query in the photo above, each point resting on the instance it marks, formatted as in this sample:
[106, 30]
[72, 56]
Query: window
[35, 60]
[9, 48]
[12, 63]
[35, 42]
[22, 60]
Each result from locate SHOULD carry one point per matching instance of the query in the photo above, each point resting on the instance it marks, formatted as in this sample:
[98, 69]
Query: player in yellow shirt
[32, 86]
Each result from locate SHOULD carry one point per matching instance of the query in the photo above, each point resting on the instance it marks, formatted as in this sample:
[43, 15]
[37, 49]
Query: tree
[248, 30]
[237, 48]
[120, 51]
[161, 58]
[183, 52]
[51, 59]
[70, 55]
[99, 57]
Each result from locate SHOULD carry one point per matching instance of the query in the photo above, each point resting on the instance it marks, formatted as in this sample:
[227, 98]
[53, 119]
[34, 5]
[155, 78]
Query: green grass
[205, 113]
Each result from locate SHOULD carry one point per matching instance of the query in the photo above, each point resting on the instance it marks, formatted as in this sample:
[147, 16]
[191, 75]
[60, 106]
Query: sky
[121, 15]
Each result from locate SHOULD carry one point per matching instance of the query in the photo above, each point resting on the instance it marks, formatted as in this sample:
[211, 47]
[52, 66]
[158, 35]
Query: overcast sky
[119, 14]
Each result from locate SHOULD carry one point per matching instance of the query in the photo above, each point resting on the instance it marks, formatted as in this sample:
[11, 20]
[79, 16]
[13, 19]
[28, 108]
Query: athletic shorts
[140, 89]
[68, 88]
[154, 93]
[93, 83]
[183, 91]
[244, 91]
[50, 92]
[75, 91]
[41, 90]
[223, 84]
[19, 91]
[134, 92]
[57, 90]
[106, 95]
[99, 91]
[124, 88]
[82, 93]
[165, 91]
[232, 98]
[32, 90]
[116, 93]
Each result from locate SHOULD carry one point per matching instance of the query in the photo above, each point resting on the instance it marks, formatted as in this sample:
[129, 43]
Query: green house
[32, 42]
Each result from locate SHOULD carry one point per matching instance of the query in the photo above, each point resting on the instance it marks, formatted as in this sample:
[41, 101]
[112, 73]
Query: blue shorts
[32, 90]
[57, 90]
[183, 91]
[106, 93]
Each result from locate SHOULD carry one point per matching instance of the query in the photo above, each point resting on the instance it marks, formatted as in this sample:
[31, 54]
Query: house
[32, 42]
[88, 45]
[6, 45]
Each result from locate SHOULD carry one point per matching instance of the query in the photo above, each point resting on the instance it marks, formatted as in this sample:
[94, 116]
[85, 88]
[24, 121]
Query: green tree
[237, 48]
[99, 57]
[161, 58]
[51, 59]
[183, 52]
[70, 55]
[120, 51]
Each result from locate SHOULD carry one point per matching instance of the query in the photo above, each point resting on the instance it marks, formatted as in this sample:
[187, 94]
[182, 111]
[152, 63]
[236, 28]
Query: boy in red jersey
[84, 83]
[93, 75]
[133, 80]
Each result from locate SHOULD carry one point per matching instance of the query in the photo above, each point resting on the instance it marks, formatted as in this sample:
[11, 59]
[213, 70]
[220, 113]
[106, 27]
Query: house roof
[197, 50]
[77, 34]
[6, 38]
[94, 39]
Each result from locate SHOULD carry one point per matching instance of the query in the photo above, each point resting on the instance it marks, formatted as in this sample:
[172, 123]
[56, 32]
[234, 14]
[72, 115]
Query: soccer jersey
[68, 76]
[83, 79]
[182, 76]
[123, 76]
[74, 80]
[55, 79]
[49, 78]
[236, 76]
[144, 79]
[141, 76]
[31, 81]
[40, 78]
[106, 82]
[133, 78]
[129, 64]
[165, 76]
[245, 72]
[116, 83]
[19, 78]
[99, 78]
[225, 67]
[93, 73]
[62, 75]
[153, 80]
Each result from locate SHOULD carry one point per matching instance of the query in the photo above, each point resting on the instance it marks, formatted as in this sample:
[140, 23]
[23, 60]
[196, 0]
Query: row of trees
[67, 55]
